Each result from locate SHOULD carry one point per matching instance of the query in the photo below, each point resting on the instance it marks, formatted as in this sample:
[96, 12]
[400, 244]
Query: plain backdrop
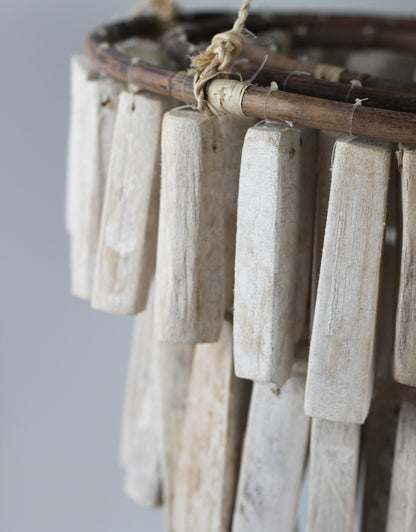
[62, 365]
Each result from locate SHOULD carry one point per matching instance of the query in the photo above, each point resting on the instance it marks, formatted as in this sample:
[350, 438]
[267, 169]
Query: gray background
[62, 365]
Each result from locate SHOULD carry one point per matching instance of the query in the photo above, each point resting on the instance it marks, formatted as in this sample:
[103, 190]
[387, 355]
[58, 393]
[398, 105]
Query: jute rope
[224, 48]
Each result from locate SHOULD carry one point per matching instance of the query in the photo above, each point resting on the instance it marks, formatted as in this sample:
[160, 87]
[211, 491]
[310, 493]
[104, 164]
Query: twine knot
[217, 57]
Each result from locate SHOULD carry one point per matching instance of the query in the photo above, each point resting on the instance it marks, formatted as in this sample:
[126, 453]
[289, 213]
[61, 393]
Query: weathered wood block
[380, 433]
[275, 447]
[404, 365]
[207, 472]
[126, 256]
[326, 142]
[174, 365]
[341, 360]
[334, 457]
[190, 254]
[100, 99]
[82, 71]
[139, 448]
[266, 254]
[402, 509]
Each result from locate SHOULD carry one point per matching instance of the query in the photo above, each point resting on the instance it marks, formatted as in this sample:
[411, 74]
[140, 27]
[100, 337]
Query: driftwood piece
[101, 100]
[380, 431]
[275, 448]
[333, 476]
[308, 177]
[266, 254]
[326, 142]
[139, 449]
[404, 366]
[341, 361]
[402, 508]
[82, 71]
[207, 472]
[128, 237]
[233, 130]
[174, 365]
[190, 260]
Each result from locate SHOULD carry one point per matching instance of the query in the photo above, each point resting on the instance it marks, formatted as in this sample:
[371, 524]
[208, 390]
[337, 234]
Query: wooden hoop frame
[301, 109]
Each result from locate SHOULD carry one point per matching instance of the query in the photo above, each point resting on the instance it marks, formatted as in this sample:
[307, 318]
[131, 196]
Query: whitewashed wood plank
[101, 101]
[207, 472]
[174, 365]
[233, 130]
[326, 142]
[190, 254]
[139, 447]
[275, 448]
[126, 255]
[308, 178]
[404, 366]
[266, 254]
[334, 456]
[341, 360]
[380, 433]
[82, 71]
[402, 507]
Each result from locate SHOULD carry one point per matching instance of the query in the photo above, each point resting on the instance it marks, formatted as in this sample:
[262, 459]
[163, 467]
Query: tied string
[357, 103]
[216, 59]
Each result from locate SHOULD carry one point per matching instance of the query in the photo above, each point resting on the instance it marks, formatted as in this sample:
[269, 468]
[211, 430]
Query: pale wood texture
[402, 507]
[380, 433]
[100, 99]
[404, 367]
[126, 256]
[139, 448]
[334, 456]
[207, 472]
[82, 71]
[190, 254]
[341, 360]
[308, 177]
[326, 142]
[174, 365]
[233, 130]
[266, 254]
[275, 448]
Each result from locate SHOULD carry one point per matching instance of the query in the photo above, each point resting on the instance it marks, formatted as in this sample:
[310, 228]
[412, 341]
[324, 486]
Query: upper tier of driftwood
[321, 112]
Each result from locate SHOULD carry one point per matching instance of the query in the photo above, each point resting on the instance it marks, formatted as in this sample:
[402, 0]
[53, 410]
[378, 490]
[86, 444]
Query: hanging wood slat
[266, 254]
[404, 366]
[128, 237]
[174, 366]
[333, 472]
[275, 447]
[139, 449]
[341, 362]
[101, 102]
[402, 509]
[207, 472]
[190, 255]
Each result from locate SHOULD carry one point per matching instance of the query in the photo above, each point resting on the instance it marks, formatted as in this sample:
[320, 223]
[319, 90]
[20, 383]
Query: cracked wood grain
[266, 254]
[126, 255]
[341, 361]
[190, 254]
[208, 465]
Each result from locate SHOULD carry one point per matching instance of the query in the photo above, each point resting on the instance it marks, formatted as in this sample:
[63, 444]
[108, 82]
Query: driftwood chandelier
[247, 187]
